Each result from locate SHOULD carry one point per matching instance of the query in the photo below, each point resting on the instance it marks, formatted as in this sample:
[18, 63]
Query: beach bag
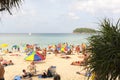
[17, 78]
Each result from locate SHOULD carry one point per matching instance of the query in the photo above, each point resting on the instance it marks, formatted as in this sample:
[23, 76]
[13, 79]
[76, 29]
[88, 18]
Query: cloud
[93, 6]
[52, 1]
[73, 16]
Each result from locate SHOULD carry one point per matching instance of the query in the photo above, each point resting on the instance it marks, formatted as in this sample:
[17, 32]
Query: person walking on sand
[2, 71]
[83, 46]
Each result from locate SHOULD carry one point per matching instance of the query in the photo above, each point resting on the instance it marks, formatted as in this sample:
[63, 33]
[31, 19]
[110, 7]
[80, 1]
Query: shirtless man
[2, 71]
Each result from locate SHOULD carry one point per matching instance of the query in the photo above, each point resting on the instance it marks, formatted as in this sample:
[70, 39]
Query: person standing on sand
[2, 71]
[83, 46]
[77, 49]
[56, 51]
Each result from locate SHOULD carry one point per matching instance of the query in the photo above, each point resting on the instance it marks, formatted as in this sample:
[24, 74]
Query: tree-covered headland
[84, 30]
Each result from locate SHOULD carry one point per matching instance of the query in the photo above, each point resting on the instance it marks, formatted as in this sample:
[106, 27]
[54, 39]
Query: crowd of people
[63, 48]
[67, 49]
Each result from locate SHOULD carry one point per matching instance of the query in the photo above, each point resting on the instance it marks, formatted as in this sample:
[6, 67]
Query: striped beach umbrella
[35, 56]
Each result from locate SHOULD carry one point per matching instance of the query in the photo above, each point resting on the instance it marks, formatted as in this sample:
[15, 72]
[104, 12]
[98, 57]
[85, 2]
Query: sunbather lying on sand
[83, 55]
[66, 57]
[76, 63]
[6, 63]
[15, 55]
[79, 63]
[83, 62]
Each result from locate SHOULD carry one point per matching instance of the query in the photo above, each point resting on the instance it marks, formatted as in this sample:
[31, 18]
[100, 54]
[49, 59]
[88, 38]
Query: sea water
[43, 39]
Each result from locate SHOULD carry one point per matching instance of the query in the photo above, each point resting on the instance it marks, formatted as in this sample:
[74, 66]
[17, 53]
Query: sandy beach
[63, 67]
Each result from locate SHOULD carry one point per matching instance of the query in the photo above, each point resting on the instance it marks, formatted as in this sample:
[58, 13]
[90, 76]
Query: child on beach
[26, 74]
[32, 68]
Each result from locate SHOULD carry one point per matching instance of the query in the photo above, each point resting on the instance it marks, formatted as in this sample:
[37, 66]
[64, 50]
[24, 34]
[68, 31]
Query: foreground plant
[105, 51]
[7, 5]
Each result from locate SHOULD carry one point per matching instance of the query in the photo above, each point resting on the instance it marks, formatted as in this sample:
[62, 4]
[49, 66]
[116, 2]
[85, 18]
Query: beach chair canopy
[35, 56]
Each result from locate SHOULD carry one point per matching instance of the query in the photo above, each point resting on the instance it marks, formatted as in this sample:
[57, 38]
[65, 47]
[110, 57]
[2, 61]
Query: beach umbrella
[3, 45]
[35, 56]
[15, 46]
[30, 53]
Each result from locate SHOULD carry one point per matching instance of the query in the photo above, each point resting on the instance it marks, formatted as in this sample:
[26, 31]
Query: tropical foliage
[7, 5]
[105, 51]
[84, 30]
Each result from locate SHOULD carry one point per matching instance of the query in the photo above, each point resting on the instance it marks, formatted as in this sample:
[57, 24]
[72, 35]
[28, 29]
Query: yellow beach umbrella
[3, 45]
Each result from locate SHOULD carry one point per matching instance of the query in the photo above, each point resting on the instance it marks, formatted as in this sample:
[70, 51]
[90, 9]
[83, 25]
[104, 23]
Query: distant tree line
[84, 30]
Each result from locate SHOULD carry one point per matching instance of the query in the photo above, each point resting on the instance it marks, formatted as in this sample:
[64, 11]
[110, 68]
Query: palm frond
[105, 51]
[9, 4]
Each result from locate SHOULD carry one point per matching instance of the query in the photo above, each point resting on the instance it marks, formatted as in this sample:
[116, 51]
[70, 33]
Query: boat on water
[29, 34]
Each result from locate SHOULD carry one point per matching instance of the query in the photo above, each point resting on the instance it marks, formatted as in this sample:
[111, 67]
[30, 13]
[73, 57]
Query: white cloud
[73, 16]
[94, 6]
[52, 1]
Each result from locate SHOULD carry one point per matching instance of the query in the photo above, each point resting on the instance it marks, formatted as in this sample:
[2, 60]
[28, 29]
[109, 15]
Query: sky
[58, 16]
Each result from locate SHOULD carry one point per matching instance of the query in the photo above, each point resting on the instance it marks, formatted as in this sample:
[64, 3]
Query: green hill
[84, 30]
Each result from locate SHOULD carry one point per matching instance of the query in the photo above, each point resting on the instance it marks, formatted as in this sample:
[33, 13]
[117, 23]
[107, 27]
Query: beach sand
[63, 67]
